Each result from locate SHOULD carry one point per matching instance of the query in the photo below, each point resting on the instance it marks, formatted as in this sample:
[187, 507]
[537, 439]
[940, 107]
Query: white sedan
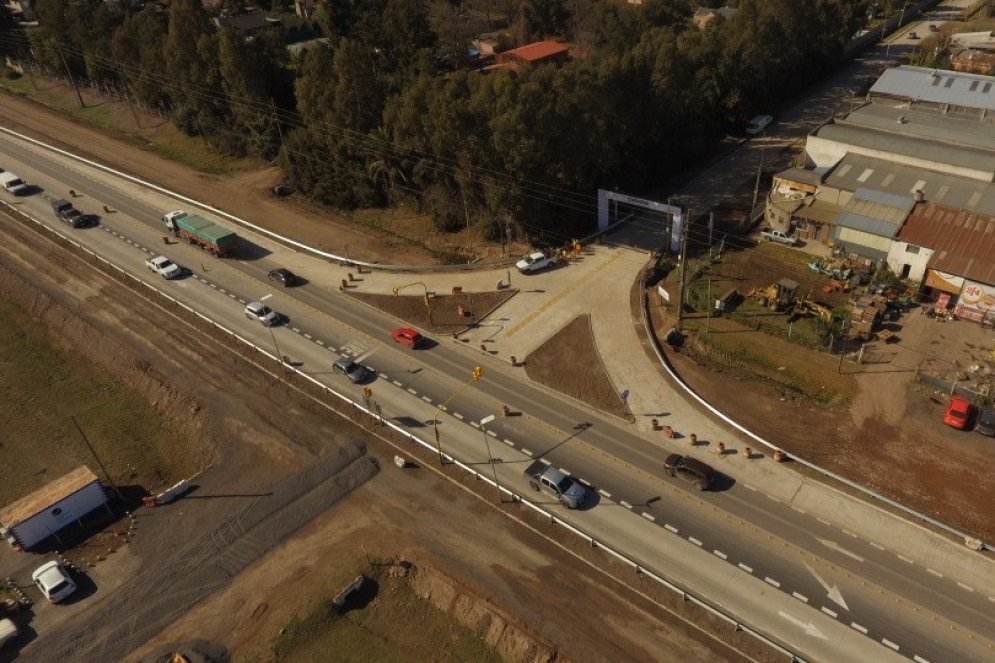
[53, 581]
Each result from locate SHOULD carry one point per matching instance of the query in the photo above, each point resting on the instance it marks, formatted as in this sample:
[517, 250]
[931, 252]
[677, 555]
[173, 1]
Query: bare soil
[441, 314]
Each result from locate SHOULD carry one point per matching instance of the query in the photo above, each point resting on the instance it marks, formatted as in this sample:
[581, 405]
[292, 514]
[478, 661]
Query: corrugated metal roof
[36, 502]
[937, 86]
[875, 212]
[855, 171]
[802, 175]
[923, 124]
[538, 50]
[963, 242]
[959, 156]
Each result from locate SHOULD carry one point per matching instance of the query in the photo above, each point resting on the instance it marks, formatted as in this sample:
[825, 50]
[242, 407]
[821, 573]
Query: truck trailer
[198, 230]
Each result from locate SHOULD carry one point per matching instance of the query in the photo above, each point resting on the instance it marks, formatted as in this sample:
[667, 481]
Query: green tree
[385, 169]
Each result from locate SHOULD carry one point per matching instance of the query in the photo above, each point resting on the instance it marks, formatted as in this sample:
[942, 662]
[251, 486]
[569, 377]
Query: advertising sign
[976, 299]
[945, 282]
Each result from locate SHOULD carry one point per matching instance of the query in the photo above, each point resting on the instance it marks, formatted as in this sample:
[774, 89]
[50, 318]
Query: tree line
[390, 106]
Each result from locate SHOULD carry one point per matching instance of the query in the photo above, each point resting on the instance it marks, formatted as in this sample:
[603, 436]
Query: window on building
[911, 248]
[801, 224]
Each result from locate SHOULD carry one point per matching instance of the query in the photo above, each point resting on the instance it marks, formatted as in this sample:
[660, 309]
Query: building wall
[858, 241]
[61, 514]
[900, 255]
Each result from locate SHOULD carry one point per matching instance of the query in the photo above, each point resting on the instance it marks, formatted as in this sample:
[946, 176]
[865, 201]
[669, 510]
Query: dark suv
[701, 475]
[65, 211]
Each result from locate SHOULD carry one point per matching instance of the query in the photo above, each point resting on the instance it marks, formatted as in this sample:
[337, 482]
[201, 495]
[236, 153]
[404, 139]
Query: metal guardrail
[661, 357]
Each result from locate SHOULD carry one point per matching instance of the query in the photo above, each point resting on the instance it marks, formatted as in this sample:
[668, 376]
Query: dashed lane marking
[426, 399]
[526, 452]
[745, 567]
[799, 597]
[412, 391]
[935, 573]
[824, 521]
[967, 587]
[829, 612]
[475, 424]
[625, 504]
[905, 559]
[603, 493]
[458, 416]
[308, 336]
[319, 342]
[876, 545]
[396, 383]
[694, 541]
[849, 533]
[648, 517]
[857, 627]
[511, 444]
[888, 643]
[670, 528]
[750, 487]
[919, 659]
[492, 433]
[771, 581]
[802, 511]
[720, 554]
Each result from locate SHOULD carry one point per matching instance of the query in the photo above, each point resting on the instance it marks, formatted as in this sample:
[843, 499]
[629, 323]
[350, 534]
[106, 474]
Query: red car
[958, 412]
[408, 336]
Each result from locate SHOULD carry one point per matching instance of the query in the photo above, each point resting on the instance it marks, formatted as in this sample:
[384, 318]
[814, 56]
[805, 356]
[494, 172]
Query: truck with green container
[197, 230]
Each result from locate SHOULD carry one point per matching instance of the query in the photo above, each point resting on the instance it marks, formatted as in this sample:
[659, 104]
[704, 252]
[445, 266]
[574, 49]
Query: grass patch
[396, 625]
[42, 387]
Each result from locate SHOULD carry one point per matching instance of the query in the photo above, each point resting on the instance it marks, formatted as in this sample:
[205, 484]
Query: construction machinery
[777, 296]
[806, 307]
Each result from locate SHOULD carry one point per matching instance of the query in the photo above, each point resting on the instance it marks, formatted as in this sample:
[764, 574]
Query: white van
[758, 124]
[13, 183]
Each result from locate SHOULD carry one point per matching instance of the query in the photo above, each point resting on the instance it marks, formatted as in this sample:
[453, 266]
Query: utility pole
[708, 309]
[96, 457]
[670, 226]
[72, 81]
[279, 129]
[686, 214]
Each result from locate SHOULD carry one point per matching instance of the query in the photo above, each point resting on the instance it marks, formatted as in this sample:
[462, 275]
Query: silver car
[262, 313]
[351, 370]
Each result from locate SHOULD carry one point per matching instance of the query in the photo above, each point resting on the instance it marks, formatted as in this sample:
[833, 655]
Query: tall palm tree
[385, 169]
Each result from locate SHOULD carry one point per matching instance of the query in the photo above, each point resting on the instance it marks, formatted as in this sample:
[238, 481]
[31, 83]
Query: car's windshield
[58, 587]
[564, 484]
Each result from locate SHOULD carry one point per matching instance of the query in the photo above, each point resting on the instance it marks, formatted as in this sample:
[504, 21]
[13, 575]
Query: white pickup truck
[535, 261]
[779, 236]
[164, 267]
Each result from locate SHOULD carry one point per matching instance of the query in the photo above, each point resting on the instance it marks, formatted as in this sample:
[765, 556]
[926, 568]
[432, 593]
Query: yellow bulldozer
[806, 307]
[777, 296]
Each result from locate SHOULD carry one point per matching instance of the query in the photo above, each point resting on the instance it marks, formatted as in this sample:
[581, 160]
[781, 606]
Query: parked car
[283, 276]
[986, 422]
[53, 581]
[771, 235]
[8, 631]
[933, 28]
[350, 369]
[700, 474]
[408, 336]
[758, 124]
[262, 313]
[958, 412]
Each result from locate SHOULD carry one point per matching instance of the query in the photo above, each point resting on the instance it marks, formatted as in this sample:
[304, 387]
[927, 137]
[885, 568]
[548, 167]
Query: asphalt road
[743, 528]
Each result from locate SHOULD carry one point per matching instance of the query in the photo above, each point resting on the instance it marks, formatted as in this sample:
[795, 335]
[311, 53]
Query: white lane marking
[412, 391]
[265, 297]
[492, 433]
[212, 285]
[475, 424]
[919, 659]
[771, 581]
[876, 545]
[832, 591]
[526, 452]
[771, 497]
[935, 573]
[905, 559]
[648, 516]
[564, 470]
[832, 545]
[824, 521]
[810, 628]
[308, 336]
[967, 587]
[426, 399]
[829, 612]
[320, 342]
[720, 554]
[603, 493]
[222, 291]
[694, 541]
[799, 597]
[750, 487]
[396, 383]
[857, 627]
[343, 348]
[365, 356]
[670, 528]
[625, 504]
[849, 533]
[511, 444]
[746, 568]
[458, 416]
[797, 509]
[889, 643]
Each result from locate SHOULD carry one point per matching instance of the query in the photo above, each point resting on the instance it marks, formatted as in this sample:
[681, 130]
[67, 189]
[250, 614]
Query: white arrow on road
[810, 628]
[832, 545]
[834, 591]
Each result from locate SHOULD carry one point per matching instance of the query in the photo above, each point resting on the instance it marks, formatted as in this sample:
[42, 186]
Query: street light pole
[478, 372]
[760, 166]
[490, 459]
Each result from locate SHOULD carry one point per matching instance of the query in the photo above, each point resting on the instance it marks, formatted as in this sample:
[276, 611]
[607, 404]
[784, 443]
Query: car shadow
[250, 251]
[85, 588]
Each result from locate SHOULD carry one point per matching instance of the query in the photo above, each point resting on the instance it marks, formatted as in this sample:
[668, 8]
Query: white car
[758, 124]
[8, 631]
[262, 313]
[53, 581]
[164, 267]
[535, 262]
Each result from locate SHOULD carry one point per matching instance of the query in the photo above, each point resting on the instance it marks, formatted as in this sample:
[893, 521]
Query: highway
[831, 576]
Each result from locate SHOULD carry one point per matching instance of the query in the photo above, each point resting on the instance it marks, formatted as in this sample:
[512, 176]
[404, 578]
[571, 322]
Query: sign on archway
[673, 215]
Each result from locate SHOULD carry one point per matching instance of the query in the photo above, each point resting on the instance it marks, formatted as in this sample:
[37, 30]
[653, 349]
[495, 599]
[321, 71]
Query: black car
[700, 474]
[986, 422]
[284, 276]
[351, 370]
